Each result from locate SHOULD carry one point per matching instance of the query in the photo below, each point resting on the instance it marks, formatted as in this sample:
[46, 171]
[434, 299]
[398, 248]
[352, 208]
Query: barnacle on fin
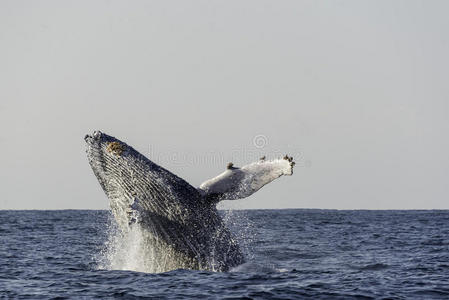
[116, 148]
[290, 160]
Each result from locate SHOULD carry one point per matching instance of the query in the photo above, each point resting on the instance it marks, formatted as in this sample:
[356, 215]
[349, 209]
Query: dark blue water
[292, 254]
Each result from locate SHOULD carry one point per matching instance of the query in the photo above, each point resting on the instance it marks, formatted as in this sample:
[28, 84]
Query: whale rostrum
[179, 223]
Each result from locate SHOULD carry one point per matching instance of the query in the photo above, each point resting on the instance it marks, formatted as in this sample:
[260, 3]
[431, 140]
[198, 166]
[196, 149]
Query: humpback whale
[179, 223]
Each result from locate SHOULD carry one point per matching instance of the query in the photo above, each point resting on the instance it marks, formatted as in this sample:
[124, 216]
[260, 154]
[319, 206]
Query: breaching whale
[179, 223]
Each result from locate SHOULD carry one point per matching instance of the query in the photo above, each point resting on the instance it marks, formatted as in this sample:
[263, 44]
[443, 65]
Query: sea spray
[132, 250]
[241, 226]
[136, 249]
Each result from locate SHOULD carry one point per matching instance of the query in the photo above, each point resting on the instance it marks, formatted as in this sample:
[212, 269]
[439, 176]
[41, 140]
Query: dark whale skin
[181, 229]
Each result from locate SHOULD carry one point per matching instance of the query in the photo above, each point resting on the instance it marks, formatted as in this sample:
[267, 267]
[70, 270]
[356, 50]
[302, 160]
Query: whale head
[106, 156]
[134, 184]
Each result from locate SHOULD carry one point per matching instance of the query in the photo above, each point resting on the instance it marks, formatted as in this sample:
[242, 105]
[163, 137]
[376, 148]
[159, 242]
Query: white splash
[126, 250]
[132, 250]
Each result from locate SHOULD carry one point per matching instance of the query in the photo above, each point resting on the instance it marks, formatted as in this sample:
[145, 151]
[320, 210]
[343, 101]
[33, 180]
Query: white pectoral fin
[238, 183]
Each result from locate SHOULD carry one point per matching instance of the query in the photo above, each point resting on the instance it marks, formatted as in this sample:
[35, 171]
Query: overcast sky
[356, 91]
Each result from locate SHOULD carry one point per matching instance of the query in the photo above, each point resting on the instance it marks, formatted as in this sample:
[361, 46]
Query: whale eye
[115, 148]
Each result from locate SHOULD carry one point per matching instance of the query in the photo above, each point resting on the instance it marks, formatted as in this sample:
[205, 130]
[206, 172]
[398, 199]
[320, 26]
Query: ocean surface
[291, 254]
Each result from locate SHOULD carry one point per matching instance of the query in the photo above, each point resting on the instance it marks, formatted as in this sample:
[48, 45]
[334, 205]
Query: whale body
[179, 223]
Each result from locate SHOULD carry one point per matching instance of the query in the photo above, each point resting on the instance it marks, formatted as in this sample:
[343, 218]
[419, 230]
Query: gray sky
[357, 91]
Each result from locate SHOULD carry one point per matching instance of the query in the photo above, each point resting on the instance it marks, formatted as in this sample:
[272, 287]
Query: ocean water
[291, 254]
